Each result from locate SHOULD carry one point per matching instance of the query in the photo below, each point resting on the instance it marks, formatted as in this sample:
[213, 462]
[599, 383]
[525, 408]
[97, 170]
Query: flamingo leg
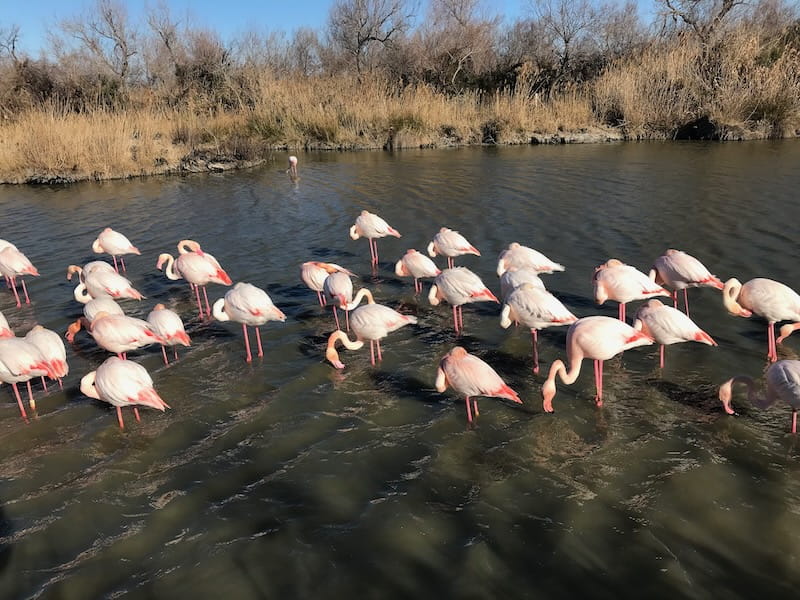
[622, 311]
[319, 297]
[475, 407]
[461, 318]
[44, 384]
[347, 319]
[417, 286]
[335, 316]
[469, 411]
[598, 381]
[378, 344]
[450, 262]
[19, 402]
[661, 357]
[686, 300]
[247, 343]
[60, 384]
[675, 299]
[122, 262]
[258, 339]
[455, 318]
[208, 306]
[116, 268]
[25, 289]
[175, 350]
[31, 401]
[136, 414]
[164, 354]
[772, 353]
[535, 340]
[14, 289]
[372, 352]
[199, 304]
[794, 421]
[119, 418]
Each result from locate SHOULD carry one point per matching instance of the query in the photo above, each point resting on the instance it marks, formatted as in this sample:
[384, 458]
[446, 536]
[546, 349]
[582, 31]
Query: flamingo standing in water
[597, 338]
[537, 309]
[450, 243]
[13, 264]
[371, 322]
[21, 361]
[614, 280]
[514, 277]
[667, 325]
[198, 270]
[122, 383]
[417, 265]
[471, 376]
[338, 289]
[371, 226]
[52, 349]
[523, 257]
[248, 305]
[313, 273]
[680, 271]
[292, 170]
[99, 282]
[767, 298]
[117, 333]
[783, 382]
[168, 326]
[114, 243]
[459, 286]
[91, 309]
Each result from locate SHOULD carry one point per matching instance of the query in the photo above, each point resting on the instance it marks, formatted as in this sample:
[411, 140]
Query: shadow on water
[6, 532]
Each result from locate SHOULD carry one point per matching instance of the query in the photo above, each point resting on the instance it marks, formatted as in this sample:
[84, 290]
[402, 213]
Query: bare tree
[619, 29]
[703, 17]
[9, 38]
[304, 51]
[570, 22]
[355, 25]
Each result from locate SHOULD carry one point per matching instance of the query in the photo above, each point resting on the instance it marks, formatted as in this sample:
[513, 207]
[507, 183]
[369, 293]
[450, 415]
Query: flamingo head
[354, 233]
[548, 393]
[432, 250]
[725, 396]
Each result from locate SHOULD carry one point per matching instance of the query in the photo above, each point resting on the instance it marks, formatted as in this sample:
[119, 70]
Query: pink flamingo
[21, 361]
[88, 269]
[371, 226]
[667, 325]
[459, 286]
[13, 264]
[783, 382]
[614, 280]
[169, 327]
[513, 277]
[122, 383]
[292, 170]
[680, 271]
[523, 257]
[52, 349]
[417, 265]
[597, 338]
[101, 282]
[5, 330]
[537, 309]
[767, 298]
[117, 333]
[450, 243]
[114, 243]
[313, 273]
[198, 270]
[338, 289]
[91, 309]
[248, 305]
[371, 322]
[471, 376]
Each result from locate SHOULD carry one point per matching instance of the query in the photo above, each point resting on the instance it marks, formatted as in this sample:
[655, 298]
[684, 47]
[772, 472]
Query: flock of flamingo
[526, 301]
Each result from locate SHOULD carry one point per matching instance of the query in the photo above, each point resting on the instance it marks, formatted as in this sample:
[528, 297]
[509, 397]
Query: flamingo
[13, 264]
[3, 245]
[21, 361]
[169, 327]
[535, 308]
[5, 330]
[292, 170]
[101, 282]
[783, 382]
[598, 338]
[371, 226]
[667, 325]
[88, 269]
[114, 243]
[119, 333]
[514, 277]
[680, 271]
[459, 285]
[767, 298]
[313, 273]
[614, 280]
[417, 265]
[122, 383]
[52, 349]
[371, 322]
[450, 243]
[338, 289]
[248, 305]
[198, 270]
[517, 255]
[91, 309]
[471, 376]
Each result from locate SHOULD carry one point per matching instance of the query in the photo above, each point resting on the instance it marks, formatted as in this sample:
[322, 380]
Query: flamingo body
[248, 305]
[517, 255]
[417, 265]
[513, 277]
[459, 286]
[372, 227]
[114, 243]
[623, 283]
[451, 244]
[168, 326]
[667, 325]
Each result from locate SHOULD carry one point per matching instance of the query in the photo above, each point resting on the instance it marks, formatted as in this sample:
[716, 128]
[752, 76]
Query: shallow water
[284, 476]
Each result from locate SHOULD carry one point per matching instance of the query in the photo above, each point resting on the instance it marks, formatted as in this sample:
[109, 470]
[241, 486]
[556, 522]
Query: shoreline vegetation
[199, 109]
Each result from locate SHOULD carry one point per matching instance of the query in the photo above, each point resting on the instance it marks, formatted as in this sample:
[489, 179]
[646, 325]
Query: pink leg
[794, 421]
[375, 247]
[335, 316]
[164, 354]
[772, 353]
[14, 288]
[675, 299]
[116, 268]
[122, 262]
[44, 384]
[378, 344]
[461, 318]
[31, 401]
[455, 318]
[535, 340]
[19, 402]
[319, 297]
[372, 352]
[199, 304]
[450, 262]
[119, 418]
[686, 300]
[661, 361]
[598, 381]
[247, 343]
[475, 407]
[208, 306]
[622, 311]
[347, 319]
[136, 414]
[258, 339]
[469, 411]
[25, 289]
[416, 286]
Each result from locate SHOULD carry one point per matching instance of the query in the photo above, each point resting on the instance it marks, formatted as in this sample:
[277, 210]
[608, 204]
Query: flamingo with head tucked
[372, 227]
[614, 280]
[513, 277]
[597, 338]
[168, 326]
[248, 305]
[13, 264]
[459, 286]
[114, 243]
[450, 243]
[783, 382]
[338, 289]
[52, 349]
[101, 282]
[92, 308]
[313, 273]
[471, 376]
[417, 265]
[767, 298]
[21, 361]
[117, 333]
[679, 271]
[523, 257]
[196, 268]
[667, 325]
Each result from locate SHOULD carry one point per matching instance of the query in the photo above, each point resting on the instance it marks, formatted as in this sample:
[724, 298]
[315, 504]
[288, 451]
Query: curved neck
[218, 310]
[186, 246]
[730, 292]
[558, 368]
[81, 294]
[170, 270]
[362, 293]
[339, 336]
[72, 269]
[354, 232]
[87, 386]
[98, 249]
[505, 317]
[433, 295]
[726, 391]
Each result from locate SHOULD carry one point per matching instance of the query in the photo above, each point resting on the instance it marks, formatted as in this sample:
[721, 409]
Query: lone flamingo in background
[198, 270]
[371, 226]
[459, 286]
[371, 322]
[471, 376]
[614, 280]
[114, 243]
[450, 243]
[21, 361]
[313, 273]
[521, 257]
[51, 347]
[292, 170]
[667, 325]
[168, 326]
[537, 309]
[248, 305]
[13, 264]
[514, 277]
[116, 333]
[338, 289]
[680, 271]
[417, 265]
[122, 383]
[767, 298]
[783, 382]
[597, 338]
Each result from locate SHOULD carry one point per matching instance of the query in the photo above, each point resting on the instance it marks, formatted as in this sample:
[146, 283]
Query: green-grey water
[288, 478]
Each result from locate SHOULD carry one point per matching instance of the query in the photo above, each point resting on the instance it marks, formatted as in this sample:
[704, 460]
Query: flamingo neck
[87, 386]
[726, 391]
[72, 269]
[505, 317]
[567, 377]
[187, 246]
[433, 295]
[98, 249]
[432, 250]
[730, 292]
[81, 294]
[218, 310]
[441, 380]
[354, 233]
[170, 270]
[362, 293]
[340, 336]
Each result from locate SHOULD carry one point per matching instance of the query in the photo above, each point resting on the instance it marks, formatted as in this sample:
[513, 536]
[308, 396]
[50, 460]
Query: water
[286, 477]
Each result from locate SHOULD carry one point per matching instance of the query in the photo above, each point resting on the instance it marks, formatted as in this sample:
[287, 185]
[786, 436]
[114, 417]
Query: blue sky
[227, 17]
